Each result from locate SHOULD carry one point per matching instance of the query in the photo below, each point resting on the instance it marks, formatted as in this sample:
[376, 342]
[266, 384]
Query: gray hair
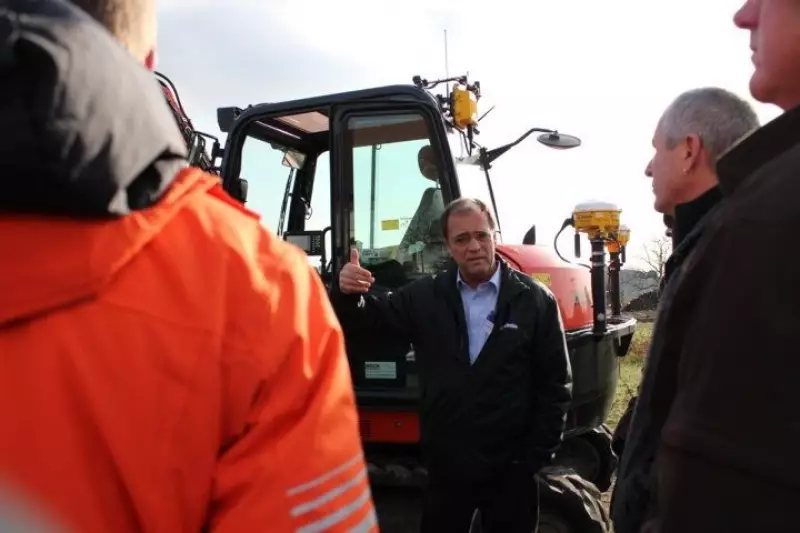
[719, 117]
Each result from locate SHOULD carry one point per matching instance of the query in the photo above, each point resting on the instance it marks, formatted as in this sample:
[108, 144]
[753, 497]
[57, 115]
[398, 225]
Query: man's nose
[648, 170]
[746, 17]
[474, 245]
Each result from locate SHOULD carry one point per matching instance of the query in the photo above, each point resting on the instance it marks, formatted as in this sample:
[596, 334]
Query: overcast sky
[603, 71]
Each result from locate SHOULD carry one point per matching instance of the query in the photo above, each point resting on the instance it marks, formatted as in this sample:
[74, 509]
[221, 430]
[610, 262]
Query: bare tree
[656, 253]
[637, 283]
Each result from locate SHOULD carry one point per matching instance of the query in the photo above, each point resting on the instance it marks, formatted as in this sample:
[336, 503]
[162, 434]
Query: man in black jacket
[494, 369]
[693, 132]
[727, 460]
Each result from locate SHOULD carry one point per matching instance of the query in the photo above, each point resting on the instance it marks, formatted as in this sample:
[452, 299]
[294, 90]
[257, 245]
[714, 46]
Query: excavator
[372, 169]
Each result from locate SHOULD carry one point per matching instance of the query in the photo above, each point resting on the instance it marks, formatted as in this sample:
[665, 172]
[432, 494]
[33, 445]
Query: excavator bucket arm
[196, 143]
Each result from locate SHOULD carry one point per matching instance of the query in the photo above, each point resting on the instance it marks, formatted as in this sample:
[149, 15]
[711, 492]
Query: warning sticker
[380, 370]
[542, 278]
[390, 224]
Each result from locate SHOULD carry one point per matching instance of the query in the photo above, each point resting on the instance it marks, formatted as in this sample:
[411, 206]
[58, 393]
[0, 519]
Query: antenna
[446, 62]
[447, 75]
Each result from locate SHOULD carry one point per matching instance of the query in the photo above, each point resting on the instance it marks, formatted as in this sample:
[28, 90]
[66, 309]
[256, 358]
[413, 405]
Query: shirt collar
[493, 281]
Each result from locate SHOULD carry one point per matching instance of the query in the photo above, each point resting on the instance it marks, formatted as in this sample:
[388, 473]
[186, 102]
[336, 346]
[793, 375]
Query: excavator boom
[195, 142]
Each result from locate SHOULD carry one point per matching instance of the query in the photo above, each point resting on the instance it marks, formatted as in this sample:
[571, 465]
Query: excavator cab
[369, 169]
[344, 171]
[373, 169]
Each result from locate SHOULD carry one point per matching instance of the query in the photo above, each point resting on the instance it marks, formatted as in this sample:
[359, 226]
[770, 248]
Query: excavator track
[568, 503]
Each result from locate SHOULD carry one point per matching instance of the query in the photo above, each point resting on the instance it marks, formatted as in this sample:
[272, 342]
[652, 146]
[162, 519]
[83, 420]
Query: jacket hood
[55, 262]
[90, 162]
[87, 131]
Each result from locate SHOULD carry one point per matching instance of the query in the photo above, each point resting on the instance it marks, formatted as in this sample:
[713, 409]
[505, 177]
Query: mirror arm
[492, 155]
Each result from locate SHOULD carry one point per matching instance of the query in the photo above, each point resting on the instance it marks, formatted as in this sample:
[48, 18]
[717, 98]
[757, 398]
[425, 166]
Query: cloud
[601, 70]
[220, 58]
[252, 52]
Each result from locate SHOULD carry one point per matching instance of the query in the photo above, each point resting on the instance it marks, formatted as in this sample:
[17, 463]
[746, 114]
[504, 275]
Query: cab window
[397, 197]
[271, 172]
[262, 165]
[319, 217]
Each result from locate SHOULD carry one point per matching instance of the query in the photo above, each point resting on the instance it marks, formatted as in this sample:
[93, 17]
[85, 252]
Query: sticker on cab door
[390, 224]
[380, 370]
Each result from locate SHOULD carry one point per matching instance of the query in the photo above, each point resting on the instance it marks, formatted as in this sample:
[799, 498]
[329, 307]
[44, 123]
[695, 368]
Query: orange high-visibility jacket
[174, 369]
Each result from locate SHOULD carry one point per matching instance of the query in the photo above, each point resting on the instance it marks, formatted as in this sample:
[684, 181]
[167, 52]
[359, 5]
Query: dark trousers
[508, 503]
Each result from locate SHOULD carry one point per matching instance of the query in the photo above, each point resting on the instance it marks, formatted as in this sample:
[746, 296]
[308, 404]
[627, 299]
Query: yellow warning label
[390, 224]
[542, 278]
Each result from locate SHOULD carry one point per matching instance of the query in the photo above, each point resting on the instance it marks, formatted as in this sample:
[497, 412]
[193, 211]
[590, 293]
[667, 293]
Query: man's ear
[150, 60]
[694, 145]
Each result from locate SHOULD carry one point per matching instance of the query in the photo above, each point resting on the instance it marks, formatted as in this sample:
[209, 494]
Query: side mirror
[293, 159]
[530, 236]
[550, 138]
[559, 141]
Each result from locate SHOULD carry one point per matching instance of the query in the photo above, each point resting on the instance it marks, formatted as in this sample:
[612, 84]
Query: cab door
[392, 178]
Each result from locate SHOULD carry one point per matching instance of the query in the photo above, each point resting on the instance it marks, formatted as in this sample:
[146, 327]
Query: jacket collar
[757, 149]
[446, 285]
[688, 215]
[510, 285]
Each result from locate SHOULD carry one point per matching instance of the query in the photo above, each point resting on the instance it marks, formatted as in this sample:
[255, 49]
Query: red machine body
[571, 285]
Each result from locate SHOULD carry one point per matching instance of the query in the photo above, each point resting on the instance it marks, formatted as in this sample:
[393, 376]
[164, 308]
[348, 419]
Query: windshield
[397, 198]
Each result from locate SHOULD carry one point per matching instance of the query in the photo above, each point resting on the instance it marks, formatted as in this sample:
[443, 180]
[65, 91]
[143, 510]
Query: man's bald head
[132, 22]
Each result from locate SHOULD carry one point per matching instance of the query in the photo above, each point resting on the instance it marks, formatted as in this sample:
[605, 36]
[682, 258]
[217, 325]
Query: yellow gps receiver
[598, 220]
[465, 107]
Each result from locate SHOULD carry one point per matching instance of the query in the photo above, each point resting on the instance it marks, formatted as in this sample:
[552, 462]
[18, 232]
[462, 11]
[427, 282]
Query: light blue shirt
[479, 306]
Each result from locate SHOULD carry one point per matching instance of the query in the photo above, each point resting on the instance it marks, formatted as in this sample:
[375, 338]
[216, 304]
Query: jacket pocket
[507, 339]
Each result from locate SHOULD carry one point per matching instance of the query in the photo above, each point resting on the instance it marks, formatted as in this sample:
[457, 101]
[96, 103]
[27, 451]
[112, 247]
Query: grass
[630, 373]
[631, 370]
